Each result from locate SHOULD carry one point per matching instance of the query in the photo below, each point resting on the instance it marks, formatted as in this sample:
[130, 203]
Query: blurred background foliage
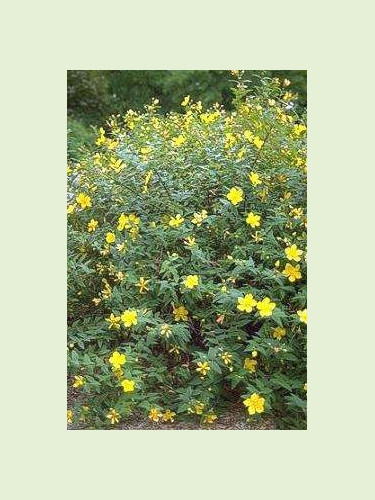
[93, 95]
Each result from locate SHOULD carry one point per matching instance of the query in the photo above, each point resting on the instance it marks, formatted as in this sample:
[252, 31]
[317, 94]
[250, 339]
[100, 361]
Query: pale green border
[41, 41]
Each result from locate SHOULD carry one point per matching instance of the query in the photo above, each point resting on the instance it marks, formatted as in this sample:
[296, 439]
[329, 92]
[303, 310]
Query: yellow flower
[128, 385]
[296, 212]
[305, 387]
[235, 195]
[168, 416]
[286, 196]
[134, 231]
[180, 313]
[185, 101]
[71, 208]
[279, 332]
[110, 238]
[92, 225]
[209, 117]
[118, 372]
[114, 322]
[78, 381]
[299, 129]
[197, 408]
[300, 161]
[121, 247]
[256, 237]
[250, 365]
[241, 153]
[246, 303]
[230, 140]
[105, 250]
[111, 144]
[223, 289]
[84, 200]
[107, 291]
[155, 415]
[190, 241]
[253, 220]
[97, 159]
[198, 106]
[145, 150]
[117, 360]
[227, 358]
[113, 416]
[203, 367]
[123, 222]
[277, 263]
[117, 165]
[258, 142]
[248, 135]
[303, 316]
[254, 179]
[174, 349]
[292, 272]
[178, 141]
[142, 284]
[69, 416]
[96, 301]
[265, 307]
[176, 221]
[146, 182]
[263, 194]
[209, 418]
[101, 139]
[120, 276]
[191, 281]
[254, 354]
[129, 318]
[134, 219]
[199, 217]
[287, 96]
[165, 331]
[254, 404]
[293, 253]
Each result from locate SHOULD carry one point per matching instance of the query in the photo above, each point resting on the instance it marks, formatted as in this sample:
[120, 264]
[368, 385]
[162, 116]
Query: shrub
[187, 264]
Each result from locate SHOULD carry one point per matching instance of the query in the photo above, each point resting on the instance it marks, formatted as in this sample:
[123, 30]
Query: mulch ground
[233, 420]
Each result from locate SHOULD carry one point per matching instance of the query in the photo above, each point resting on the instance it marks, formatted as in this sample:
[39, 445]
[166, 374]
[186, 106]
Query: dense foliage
[80, 139]
[187, 263]
[93, 94]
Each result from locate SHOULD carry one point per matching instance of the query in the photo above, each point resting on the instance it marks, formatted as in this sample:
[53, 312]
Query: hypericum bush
[187, 264]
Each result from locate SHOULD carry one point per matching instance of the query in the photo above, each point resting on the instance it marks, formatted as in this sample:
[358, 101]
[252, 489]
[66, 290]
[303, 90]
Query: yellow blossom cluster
[157, 415]
[106, 142]
[248, 302]
[117, 360]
